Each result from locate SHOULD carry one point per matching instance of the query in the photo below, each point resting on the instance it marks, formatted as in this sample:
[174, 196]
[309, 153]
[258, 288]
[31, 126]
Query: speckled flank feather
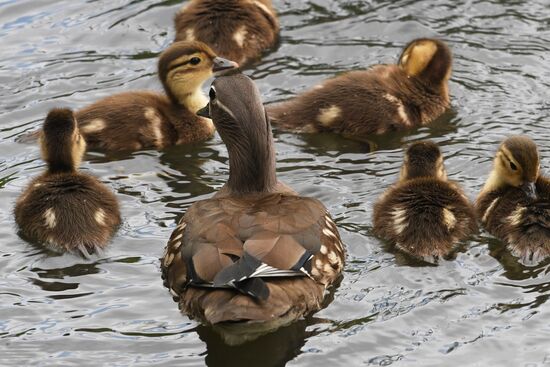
[379, 100]
[240, 30]
[522, 224]
[424, 215]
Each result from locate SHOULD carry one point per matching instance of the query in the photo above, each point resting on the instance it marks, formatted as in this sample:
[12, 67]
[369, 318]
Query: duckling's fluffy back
[67, 212]
[424, 217]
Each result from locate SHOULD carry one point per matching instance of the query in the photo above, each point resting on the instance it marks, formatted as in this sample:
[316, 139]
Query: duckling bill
[424, 214]
[240, 30]
[380, 100]
[514, 204]
[256, 252]
[64, 209]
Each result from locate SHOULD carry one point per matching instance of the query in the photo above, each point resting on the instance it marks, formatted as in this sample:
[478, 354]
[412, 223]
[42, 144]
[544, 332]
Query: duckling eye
[513, 166]
[212, 94]
[195, 61]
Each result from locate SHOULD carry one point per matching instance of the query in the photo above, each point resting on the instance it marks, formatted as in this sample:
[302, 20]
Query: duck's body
[514, 204]
[381, 99]
[424, 214]
[256, 252]
[239, 30]
[148, 120]
[141, 120]
[63, 209]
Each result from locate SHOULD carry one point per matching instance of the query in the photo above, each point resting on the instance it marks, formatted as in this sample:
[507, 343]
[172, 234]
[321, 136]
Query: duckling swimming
[63, 209]
[379, 100]
[514, 204]
[256, 252]
[240, 30]
[425, 215]
[149, 120]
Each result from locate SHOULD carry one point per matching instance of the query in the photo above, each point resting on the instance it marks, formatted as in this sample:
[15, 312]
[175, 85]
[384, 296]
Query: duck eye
[513, 166]
[212, 93]
[195, 61]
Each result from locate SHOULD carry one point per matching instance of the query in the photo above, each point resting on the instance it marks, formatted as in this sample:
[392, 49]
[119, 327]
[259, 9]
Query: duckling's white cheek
[240, 35]
[449, 219]
[155, 123]
[516, 217]
[399, 217]
[328, 116]
[94, 126]
[50, 218]
[99, 217]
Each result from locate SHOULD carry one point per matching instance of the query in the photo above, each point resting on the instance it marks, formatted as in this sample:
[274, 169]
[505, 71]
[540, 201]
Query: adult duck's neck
[252, 164]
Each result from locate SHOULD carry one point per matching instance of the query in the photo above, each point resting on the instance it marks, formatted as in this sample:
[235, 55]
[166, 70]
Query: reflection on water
[481, 308]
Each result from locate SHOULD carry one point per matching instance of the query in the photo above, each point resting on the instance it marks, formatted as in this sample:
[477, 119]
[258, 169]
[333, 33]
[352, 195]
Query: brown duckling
[425, 215]
[239, 30]
[63, 209]
[143, 119]
[256, 253]
[514, 204]
[381, 99]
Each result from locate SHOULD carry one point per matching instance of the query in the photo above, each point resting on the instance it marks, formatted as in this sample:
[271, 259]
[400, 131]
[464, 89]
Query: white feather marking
[99, 217]
[517, 215]
[240, 35]
[399, 216]
[400, 108]
[489, 209]
[327, 116]
[449, 218]
[168, 260]
[50, 218]
[324, 249]
[93, 126]
[152, 115]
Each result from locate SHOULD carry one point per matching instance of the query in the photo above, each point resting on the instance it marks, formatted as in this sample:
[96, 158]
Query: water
[481, 309]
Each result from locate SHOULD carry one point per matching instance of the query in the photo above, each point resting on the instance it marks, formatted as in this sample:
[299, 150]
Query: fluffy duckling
[63, 209]
[239, 30]
[424, 214]
[256, 252]
[381, 99]
[143, 119]
[514, 204]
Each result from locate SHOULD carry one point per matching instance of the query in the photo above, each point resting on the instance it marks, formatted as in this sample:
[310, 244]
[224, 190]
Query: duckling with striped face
[144, 120]
[424, 214]
[63, 209]
[514, 204]
[255, 254]
[240, 30]
[376, 101]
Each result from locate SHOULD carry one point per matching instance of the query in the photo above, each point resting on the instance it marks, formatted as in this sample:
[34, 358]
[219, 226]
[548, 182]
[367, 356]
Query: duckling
[375, 101]
[63, 209]
[424, 214]
[514, 204]
[256, 252]
[137, 120]
[240, 30]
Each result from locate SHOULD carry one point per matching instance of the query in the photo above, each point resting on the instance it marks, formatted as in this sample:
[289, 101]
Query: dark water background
[481, 309]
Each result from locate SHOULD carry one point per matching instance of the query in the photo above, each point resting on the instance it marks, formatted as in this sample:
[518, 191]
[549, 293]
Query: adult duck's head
[237, 111]
[423, 159]
[61, 144]
[184, 67]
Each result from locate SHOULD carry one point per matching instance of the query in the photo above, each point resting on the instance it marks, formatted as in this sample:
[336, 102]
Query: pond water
[483, 308]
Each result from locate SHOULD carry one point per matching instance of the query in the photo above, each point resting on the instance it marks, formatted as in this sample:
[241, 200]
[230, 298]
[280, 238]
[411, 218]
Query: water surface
[482, 309]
